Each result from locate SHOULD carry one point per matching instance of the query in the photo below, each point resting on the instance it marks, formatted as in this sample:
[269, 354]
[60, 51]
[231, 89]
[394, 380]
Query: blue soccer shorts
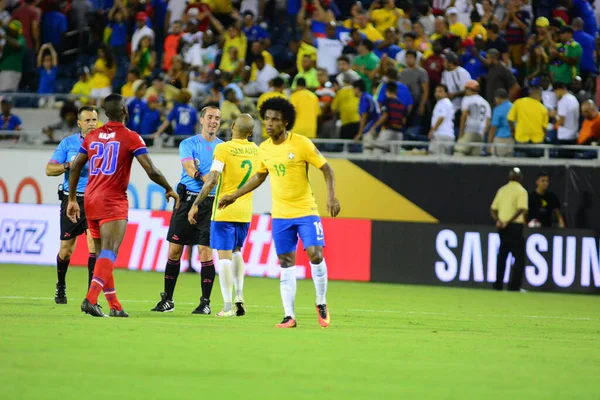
[228, 235]
[287, 230]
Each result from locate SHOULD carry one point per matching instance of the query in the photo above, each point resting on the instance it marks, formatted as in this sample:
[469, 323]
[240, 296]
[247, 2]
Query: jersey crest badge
[291, 156]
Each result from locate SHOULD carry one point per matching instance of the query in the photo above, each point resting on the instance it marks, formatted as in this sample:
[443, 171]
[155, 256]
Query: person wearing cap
[528, 119]
[500, 129]
[455, 26]
[11, 63]
[137, 106]
[565, 58]
[509, 210]
[142, 30]
[516, 24]
[83, 87]
[474, 121]
[588, 44]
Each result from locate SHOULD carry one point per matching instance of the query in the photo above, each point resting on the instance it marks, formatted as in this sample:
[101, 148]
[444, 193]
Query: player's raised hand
[192, 214]
[172, 195]
[73, 211]
[226, 201]
[333, 206]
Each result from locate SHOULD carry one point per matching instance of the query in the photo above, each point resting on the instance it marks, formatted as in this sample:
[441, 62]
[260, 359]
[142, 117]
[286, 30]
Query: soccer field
[385, 341]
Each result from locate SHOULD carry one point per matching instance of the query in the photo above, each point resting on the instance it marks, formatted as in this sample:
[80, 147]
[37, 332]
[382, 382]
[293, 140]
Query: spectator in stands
[422, 41]
[473, 58]
[229, 109]
[409, 44]
[166, 93]
[103, 73]
[366, 63]
[200, 81]
[277, 89]
[205, 53]
[515, 24]
[80, 14]
[417, 80]
[118, 30]
[227, 82]
[257, 49]
[367, 109]
[496, 42]
[344, 66]
[528, 119]
[434, 65]
[198, 13]
[250, 87]
[65, 126]
[265, 73]
[393, 119]
[426, 18]
[500, 130]
[582, 9]
[83, 87]
[306, 49]
[588, 44]
[144, 58]
[329, 49]
[385, 14]
[579, 92]
[171, 45]
[308, 109]
[499, 77]
[253, 31]
[565, 58]
[488, 17]
[142, 30]
[455, 26]
[543, 204]
[151, 119]
[441, 133]
[215, 96]
[350, 50]
[567, 117]
[137, 106]
[309, 74]
[54, 25]
[361, 22]
[590, 128]
[127, 89]
[454, 79]
[346, 104]
[388, 47]
[178, 76]
[183, 115]
[474, 121]
[326, 93]
[391, 75]
[476, 29]
[232, 62]
[233, 38]
[11, 63]
[47, 64]
[9, 121]
[30, 17]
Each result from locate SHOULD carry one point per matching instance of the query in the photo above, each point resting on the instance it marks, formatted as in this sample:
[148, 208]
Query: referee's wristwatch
[67, 166]
[198, 176]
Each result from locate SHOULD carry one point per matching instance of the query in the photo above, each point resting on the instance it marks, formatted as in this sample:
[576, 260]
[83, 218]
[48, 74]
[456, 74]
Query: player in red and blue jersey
[110, 150]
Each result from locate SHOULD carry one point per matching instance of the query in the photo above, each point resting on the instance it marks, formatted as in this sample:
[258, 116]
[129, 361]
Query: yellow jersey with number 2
[237, 161]
[287, 164]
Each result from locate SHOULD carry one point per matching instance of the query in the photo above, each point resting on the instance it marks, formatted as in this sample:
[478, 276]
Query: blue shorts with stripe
[228, 235]
[286, 232]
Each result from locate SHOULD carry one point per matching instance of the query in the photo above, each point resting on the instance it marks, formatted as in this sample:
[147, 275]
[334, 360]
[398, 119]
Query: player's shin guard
[61, 269]
[226, 282]
[102, 274]
[91, 265]
[207, 276]
[238, 273]
[171, 275]
[319, 275]
[111, 294]
[287, 286]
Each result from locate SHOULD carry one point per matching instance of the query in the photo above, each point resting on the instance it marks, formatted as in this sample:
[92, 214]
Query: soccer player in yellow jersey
[286, 157]
[234, 162]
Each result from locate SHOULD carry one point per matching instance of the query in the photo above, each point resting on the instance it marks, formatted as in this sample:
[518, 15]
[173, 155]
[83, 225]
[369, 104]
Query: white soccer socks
[319, 275]
[239, 269]
[287, 286]
[226, 282]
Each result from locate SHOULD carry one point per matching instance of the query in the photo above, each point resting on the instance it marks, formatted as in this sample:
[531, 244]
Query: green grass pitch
[385, 342]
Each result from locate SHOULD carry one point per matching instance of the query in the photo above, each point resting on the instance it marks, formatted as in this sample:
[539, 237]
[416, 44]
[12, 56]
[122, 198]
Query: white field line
[358, 310]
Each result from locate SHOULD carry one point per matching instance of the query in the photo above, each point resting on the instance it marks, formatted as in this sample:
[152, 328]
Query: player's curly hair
[287, 110]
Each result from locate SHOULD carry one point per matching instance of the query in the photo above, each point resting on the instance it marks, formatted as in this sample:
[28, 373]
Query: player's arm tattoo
[252, 184]
[153, 172]
[76, 168]
[209, 183]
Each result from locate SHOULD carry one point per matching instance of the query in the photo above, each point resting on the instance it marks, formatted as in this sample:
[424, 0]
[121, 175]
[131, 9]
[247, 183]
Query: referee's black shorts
[68, 229]
[180, 230]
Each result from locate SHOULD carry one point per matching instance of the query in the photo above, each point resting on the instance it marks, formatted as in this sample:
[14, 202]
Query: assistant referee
[509, 210]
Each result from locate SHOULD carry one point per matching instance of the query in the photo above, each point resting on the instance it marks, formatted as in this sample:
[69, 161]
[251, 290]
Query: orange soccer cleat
[288, 322]
[323, 313]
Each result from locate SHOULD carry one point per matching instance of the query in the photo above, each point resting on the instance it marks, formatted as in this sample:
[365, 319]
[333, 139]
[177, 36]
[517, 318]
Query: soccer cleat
[164, 305]
[240, 308]
[323, 313]
[118, 313]
[203, 308]
[224, 313]
[61, 294]
[93, 309]
[288, 322]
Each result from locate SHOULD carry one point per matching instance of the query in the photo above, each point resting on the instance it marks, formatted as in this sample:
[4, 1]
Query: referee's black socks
[171, 275]
[207, 277]
[91, 265]
[61, 269]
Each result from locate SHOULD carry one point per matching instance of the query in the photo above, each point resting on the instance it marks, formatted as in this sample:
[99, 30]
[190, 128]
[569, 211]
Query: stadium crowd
[458, 73]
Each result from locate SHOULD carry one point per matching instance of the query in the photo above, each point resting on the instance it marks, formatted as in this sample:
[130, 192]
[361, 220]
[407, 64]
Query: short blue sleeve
[363, 106]
[185, 151]
[381, 94]
[405, 96]
[496, 117]
[60, 154]
[18, 121]
[173, 114]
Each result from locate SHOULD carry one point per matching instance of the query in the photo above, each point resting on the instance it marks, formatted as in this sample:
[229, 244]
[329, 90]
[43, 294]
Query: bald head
[577, 24]
[515, 175]
[243, 126]
[589, 109]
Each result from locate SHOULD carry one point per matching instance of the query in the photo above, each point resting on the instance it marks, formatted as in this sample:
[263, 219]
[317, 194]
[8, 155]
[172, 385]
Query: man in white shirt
[454, 78]
[442, 123]
[549, 101]
[264, 73]
[474, 121]
[567, 118]
[329, 49]
[345, 69]
[141, 31]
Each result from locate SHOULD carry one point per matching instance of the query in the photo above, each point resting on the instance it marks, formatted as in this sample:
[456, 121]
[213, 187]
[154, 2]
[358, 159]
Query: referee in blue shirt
[59, 164]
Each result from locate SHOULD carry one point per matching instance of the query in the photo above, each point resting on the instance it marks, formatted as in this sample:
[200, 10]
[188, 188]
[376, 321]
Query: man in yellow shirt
[286, 157]
[127, 90]
[307, 108]
[346, 104]
[305, 50]
[528, 119]
[509, 210]
[456, 27]
[361, 22]
[385, 17]
[277, 90]
[83, 87]
[476, 28]
[234, 162]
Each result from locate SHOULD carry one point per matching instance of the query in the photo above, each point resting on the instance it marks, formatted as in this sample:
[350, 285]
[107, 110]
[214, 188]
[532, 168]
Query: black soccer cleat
[164, 305]
[61, 294]
[93, 309]
[118, 313]
[203, 308]
[240, 308]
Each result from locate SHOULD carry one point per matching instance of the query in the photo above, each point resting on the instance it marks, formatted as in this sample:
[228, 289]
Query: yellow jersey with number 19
[287, 164]
[238, 161]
